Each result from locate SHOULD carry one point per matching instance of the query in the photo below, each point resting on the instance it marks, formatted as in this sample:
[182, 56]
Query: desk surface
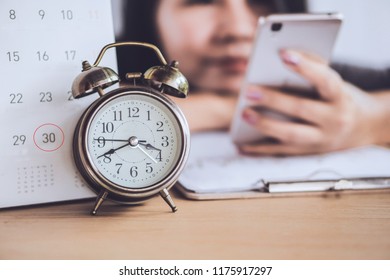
[355, 226]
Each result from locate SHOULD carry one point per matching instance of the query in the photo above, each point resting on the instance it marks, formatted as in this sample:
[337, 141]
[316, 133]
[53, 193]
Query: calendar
[43, 43]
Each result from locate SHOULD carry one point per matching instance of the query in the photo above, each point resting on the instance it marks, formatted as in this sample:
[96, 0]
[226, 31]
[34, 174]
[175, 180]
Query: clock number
[67, 14]
[134, 171]
[165, 142]
[49, 138]
[107, 158]
[42, 56]
[134, 112]
[149, 168]
[41, 13]
[13, 56]
[160, 126]
[101, 142]
[108, 127]
[148, 112]
[12, 14]
[158, 157]
[46, 97]
[117, 116]
[19, 140]
[119, 168]
[16, 98]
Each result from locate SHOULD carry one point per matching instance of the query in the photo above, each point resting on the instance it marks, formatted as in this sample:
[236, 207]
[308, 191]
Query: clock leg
[168, 199]
[99, 200]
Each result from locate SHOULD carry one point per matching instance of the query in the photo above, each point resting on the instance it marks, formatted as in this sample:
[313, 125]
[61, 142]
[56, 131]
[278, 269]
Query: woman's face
[210, 38]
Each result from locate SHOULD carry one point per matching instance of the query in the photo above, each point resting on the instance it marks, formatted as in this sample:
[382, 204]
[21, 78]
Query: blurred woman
[212, 40]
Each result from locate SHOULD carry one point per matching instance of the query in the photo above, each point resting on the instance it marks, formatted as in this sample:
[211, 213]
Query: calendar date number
[19, 140]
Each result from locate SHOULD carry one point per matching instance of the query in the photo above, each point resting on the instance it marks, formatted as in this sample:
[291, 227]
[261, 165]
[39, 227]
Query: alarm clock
[132, 142]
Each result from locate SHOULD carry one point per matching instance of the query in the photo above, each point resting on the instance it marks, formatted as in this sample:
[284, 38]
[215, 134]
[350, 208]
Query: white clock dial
[134, 141]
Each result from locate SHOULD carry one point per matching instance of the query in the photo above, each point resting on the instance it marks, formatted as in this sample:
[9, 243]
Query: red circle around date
[49, 137]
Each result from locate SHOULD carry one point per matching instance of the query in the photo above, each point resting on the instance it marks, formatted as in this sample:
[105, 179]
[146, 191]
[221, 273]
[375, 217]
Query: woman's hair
[140, 25]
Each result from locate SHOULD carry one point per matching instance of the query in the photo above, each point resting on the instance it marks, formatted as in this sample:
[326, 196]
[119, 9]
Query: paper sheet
[43, 43]
[215, 166]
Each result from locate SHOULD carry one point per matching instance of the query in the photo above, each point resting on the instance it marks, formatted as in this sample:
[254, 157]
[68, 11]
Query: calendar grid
[43, 45]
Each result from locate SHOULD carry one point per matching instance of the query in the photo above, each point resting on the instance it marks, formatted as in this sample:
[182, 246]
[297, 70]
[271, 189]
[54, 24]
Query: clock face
[134, 141]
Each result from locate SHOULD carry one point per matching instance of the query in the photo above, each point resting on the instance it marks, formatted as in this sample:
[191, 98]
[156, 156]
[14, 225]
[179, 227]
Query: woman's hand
[344, 117]
[205, 110]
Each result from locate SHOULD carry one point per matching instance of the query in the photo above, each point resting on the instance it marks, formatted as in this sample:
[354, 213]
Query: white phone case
[312, 33]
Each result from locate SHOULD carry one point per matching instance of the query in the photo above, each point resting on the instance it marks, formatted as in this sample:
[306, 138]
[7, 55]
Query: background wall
[118, 7]
[364, 38]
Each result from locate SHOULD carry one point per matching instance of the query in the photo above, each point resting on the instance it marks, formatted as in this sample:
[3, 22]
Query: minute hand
[111, 140]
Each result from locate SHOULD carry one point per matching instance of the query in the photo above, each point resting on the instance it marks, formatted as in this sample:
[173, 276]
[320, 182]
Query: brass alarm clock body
[132, 142]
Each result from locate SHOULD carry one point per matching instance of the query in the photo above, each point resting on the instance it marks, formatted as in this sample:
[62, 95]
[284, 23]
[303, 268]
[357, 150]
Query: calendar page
[43, 43]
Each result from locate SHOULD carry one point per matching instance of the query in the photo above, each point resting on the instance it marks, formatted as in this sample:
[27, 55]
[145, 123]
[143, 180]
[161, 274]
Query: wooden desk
[335, 227]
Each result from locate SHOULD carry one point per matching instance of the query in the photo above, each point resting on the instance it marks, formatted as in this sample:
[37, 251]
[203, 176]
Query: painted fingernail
[250, 117]
[290, 57]
[254, 94]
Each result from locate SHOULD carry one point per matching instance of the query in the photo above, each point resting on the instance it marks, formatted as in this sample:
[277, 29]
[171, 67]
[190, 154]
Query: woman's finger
[327, 81]
[309, 110]
[274, 149]
[283, 130]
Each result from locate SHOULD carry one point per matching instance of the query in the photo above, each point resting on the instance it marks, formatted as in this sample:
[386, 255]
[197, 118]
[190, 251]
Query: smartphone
[312, 33]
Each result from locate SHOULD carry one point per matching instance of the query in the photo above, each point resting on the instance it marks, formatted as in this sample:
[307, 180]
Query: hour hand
[147, 145]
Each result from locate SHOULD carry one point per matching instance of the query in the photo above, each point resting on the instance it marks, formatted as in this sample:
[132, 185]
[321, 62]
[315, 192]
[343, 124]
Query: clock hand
[148, 146]
[110, 140]
[131, 143]
[146, 153]
[110, 152]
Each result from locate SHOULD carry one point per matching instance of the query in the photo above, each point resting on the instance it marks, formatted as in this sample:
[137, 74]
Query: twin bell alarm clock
[132, 142]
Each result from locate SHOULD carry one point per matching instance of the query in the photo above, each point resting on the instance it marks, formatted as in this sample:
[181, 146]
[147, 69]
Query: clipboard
[215, 170]
[302, 188]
